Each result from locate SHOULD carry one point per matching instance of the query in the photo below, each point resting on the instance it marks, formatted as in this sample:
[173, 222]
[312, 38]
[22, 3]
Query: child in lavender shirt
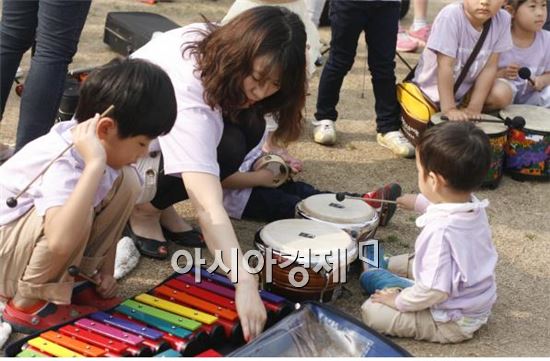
[454, 263]
[531, 50]
[455, 32]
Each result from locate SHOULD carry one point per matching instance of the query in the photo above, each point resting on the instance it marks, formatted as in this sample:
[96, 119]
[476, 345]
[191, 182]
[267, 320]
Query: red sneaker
[385, 210]
[86, 295]
[48, 316]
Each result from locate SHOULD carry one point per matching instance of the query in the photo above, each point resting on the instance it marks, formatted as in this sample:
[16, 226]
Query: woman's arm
[241, 180]
[205, 192]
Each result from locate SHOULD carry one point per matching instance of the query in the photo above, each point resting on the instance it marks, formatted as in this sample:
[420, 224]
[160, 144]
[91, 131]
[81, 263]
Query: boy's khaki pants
[28, 268]
[419, 325]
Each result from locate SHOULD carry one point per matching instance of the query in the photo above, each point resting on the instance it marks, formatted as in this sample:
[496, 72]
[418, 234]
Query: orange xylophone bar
[275, 311]
[233, 329]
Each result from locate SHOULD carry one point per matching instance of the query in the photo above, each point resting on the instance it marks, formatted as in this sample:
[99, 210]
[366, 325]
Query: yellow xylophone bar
[177, 309]
[52, 348]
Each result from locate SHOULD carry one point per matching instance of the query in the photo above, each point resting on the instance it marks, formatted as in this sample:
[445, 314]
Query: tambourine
[276, 164]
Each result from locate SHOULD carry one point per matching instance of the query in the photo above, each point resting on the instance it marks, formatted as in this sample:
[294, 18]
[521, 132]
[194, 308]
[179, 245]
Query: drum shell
[318, 288]
[497, 140]
[528, 155]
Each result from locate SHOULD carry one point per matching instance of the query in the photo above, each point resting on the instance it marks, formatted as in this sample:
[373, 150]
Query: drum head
[325, 207]
[296, 237]
[536, 118]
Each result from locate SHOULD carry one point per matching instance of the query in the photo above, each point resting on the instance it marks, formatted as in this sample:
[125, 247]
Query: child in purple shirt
[531, 50]
[453, 266]
[454, 34]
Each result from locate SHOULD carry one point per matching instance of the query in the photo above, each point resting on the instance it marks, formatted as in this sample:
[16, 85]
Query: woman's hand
[87, 143]
[250, 308]
[406, 201]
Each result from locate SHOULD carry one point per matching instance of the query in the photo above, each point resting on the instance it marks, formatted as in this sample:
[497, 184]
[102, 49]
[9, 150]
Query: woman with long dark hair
[226, 80]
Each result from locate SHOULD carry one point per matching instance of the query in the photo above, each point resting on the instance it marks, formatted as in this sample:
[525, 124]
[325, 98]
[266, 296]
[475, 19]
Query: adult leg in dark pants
[379, 21]
[54, 26]
[272, 204]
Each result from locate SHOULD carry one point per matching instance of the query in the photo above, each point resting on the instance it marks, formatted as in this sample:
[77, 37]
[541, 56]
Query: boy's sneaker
[385, 210]
[397, 143]
[421, 35]
[324, 131]
[404, 42]
[45, 317]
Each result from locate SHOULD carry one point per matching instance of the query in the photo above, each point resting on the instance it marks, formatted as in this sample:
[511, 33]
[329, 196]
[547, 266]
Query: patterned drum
[497, 138]
[528, 150]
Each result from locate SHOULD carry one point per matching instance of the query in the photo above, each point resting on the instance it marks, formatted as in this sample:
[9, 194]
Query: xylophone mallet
[516, 122]
[12, 201]
[341, 196]
[74, 271]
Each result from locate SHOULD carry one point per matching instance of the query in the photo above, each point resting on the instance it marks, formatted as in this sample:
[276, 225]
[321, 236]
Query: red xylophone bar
[275, 311]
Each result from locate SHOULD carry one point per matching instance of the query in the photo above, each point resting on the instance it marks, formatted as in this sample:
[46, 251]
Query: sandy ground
[519, 212]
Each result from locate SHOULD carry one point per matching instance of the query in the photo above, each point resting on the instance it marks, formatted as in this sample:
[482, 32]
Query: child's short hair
[460, 152]
[142, 93]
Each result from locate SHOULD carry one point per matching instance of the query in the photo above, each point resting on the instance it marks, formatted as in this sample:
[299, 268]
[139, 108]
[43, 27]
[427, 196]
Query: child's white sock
[418, 23]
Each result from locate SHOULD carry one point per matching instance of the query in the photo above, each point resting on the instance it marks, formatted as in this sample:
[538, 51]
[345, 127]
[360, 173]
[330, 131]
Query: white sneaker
[324, 131]
[397, 143]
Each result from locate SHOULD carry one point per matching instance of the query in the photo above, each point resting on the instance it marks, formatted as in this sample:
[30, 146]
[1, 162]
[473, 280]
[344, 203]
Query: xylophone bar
[163, 315]
[209, 353]
[224, 281]
[114, 347]
[73, 344]
[153, 321]
[176, 308]
[192, 301]
[168, 353]
[149, 337]
[52, 348]
[233, 330]
[277, 310]
[191, 345]
[30, 352]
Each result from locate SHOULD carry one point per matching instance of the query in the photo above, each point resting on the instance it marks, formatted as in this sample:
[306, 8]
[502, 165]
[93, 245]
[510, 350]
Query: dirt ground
[519, 212]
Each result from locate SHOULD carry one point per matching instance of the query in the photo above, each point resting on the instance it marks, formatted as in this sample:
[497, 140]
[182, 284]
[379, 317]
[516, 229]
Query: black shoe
[192, 238]
[147, 246]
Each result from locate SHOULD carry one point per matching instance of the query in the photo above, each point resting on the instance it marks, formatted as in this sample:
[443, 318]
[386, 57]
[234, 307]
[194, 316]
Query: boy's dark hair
[460, 152]
[142, 93]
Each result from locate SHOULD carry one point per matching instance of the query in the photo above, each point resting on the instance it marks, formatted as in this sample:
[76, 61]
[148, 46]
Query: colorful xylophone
[177, 317]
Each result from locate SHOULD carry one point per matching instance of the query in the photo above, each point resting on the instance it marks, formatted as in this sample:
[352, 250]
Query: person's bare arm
[64, 224]
[542, 81]
[241, 180]
[205, 192]
[482, 87]
[445, 84]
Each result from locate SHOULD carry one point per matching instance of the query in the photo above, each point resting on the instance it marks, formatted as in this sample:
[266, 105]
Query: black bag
[126, 32]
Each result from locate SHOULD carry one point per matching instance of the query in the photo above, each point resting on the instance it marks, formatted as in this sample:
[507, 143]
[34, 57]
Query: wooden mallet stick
[12, 201]
[341, 196]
